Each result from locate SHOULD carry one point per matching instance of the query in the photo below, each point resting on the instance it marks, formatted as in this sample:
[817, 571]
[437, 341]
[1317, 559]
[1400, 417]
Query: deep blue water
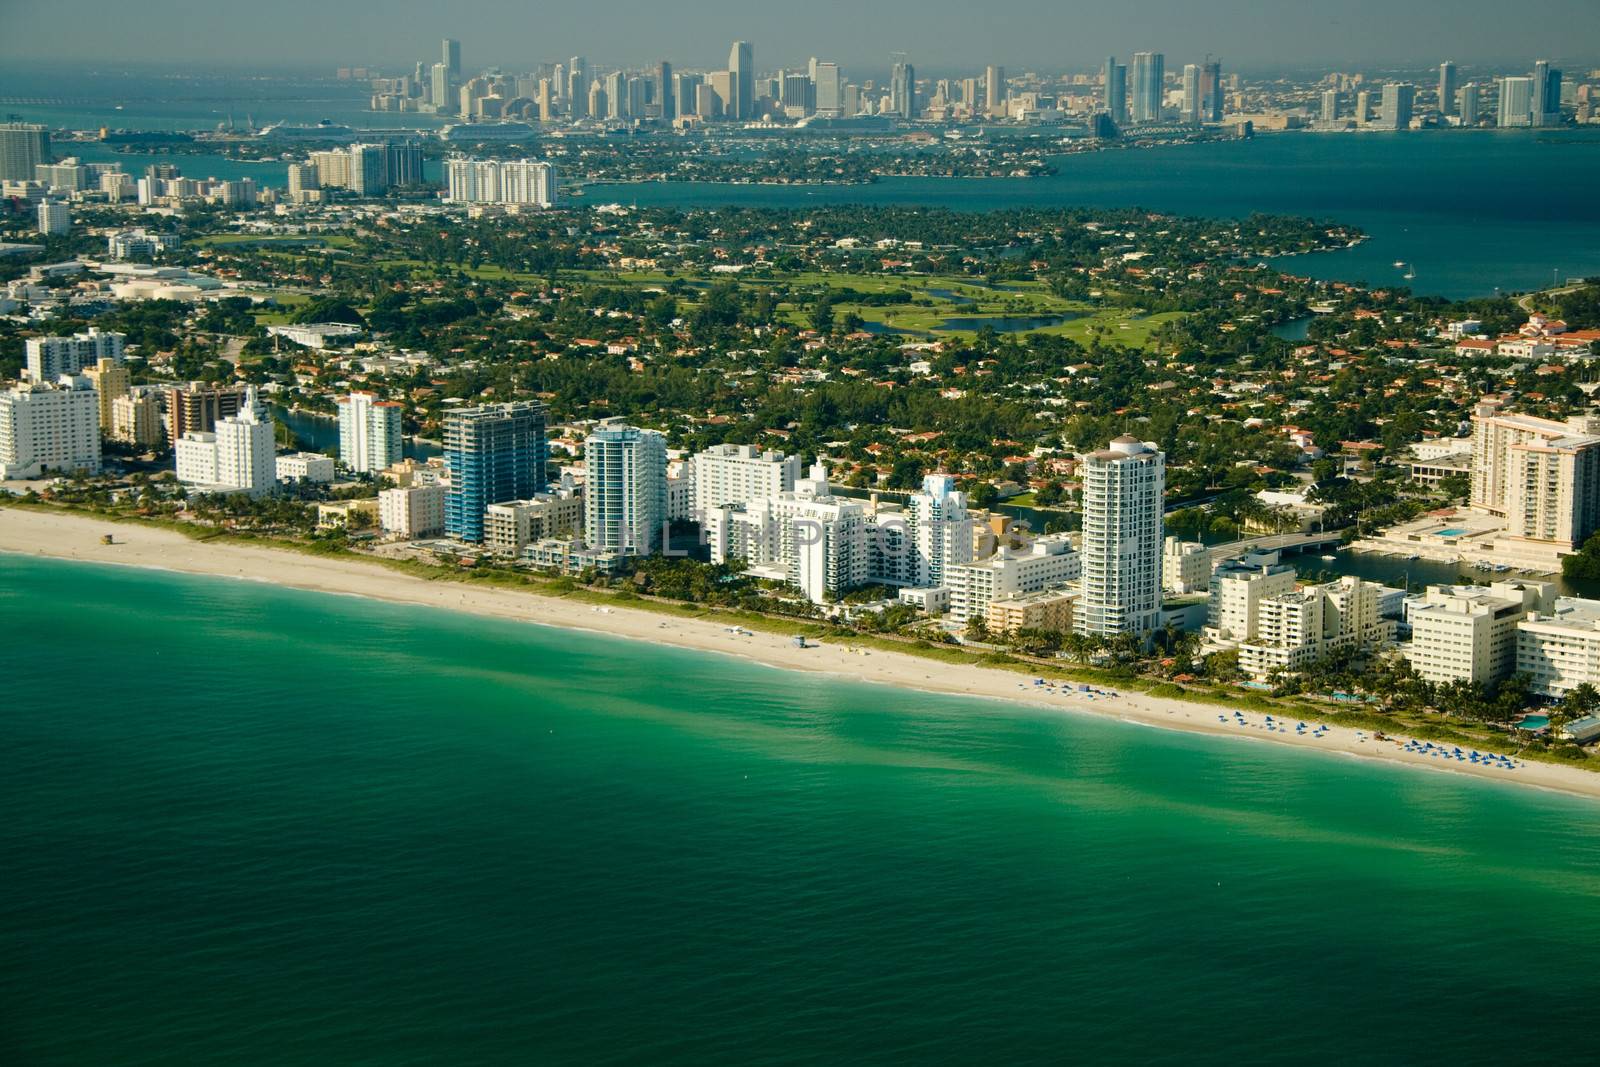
[1471, 211]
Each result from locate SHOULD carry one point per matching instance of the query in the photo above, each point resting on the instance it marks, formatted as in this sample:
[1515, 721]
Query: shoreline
[71, 537]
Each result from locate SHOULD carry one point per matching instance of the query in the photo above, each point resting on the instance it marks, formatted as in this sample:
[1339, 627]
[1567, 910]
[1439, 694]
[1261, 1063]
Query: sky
[953, 35]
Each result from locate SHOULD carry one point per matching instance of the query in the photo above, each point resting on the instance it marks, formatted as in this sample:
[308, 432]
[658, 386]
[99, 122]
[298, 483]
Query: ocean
[240, 824]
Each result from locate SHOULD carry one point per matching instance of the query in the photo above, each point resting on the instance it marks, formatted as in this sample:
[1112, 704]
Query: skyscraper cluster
[1138, 93]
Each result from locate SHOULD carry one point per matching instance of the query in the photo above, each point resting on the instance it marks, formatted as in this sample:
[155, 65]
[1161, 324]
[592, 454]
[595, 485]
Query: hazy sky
[1039, 34]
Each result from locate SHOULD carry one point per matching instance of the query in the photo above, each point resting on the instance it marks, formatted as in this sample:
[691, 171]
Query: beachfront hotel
[938, 533]
[49, 427]
[1122, 545]
[237, 456]
[807, 537]
[494, 453]
[730, 475]
[1560, 650]
[624, 489]
[1468, 633]
[1238, 587]
[1297, 628]
[1044, 564]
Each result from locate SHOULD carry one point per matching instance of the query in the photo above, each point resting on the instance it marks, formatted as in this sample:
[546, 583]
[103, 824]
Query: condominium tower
[369, 432]
[624, 489]
[494, 453]
[1122, 538]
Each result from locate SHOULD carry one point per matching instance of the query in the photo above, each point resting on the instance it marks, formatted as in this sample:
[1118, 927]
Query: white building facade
[370, 436]
[49, 427]
[1123, 486]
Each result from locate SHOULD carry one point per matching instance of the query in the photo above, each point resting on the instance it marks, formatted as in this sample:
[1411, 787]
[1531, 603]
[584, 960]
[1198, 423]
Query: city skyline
[1035, 34]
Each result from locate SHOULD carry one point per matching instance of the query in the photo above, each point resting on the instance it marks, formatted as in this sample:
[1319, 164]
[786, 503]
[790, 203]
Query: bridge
[1290, 542]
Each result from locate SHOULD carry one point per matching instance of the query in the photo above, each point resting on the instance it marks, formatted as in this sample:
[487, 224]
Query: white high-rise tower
[1122, 538]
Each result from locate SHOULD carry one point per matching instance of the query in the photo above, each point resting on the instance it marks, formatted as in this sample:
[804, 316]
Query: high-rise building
[1516, 102]
[136, 420]
[1122, 538]
[439, 88]
[1541, 476]
[578, 87]
[903, 89]
[687, 87]
[49, 426]
[815, 541]
[237, 455]
[1397, 101]
[666, 99]
[450, 56]
[616, 95]
[197, 408]
[1467, 104]
[639, 97]
[48, 358]
[1148, 77]
[494, 453]
[110, 380]
[302, 179]
[1191, 93]
[1237, 589]
[624, 489]
[1363, 107]
[55, 218]
[939, 531]
[795, 94]
[24, 146]
[245, 449]
[1447, 88]
[368, 170]
[995, 91]
[733, 475]
[1546, 106]
[741, 106]
[495, 181]
[1330, 108]
[828, 88]
[1211, 91]
[369, 432]
[1115, 100]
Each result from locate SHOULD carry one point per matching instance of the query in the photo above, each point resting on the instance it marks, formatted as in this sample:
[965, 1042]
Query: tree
[906, 473]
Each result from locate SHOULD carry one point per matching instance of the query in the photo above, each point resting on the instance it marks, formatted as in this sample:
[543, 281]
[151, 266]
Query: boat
[1399, 264]
[1331, 558]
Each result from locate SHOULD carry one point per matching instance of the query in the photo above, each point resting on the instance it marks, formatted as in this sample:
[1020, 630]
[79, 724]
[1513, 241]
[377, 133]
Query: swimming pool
[1453, 532]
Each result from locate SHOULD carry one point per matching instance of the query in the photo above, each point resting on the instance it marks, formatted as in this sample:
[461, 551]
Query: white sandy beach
[77, 537]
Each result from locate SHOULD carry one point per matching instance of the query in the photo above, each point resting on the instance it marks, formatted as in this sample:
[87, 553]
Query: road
[1524, 302]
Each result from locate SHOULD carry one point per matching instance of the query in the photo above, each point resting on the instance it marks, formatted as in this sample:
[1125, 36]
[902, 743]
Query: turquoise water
[245, 825]
[1469, 211]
